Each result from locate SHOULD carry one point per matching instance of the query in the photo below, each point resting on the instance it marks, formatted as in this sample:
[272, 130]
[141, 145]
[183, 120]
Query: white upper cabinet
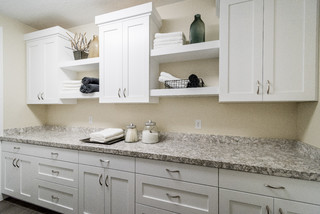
[126, 70]
[268, 50]
[45, 49]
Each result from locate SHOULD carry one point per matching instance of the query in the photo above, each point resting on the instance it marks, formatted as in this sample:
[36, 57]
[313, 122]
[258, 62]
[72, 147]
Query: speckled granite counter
[286, 158]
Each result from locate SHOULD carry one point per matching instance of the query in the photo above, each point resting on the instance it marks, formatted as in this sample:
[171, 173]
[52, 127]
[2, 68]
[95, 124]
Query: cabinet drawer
[183, 172]
[41, 151]
[56, 197]
[58, 172]
[176, 196]
[142, 209]
[107, 161]
[294, 189]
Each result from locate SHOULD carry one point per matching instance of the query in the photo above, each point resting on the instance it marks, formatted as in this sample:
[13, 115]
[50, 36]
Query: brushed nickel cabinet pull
[104, 161]
[55, 172]
[268, 209]
[13, 162]
[173, 196]
[16, 147]
[273, 187]
[258, 87]
[17, 163]
[280, 211]
[38, 96]
[100, 182]
[119, 93]
[268, 85]
[106, 181]
[173, 171]
[41, 95]
[55, 198]
[124, 92]
[55, 153]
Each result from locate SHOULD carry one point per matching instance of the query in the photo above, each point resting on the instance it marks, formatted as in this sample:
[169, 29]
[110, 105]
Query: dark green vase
[197, 30]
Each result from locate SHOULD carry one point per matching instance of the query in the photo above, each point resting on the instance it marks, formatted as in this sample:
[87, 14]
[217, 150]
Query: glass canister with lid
[150, 133]
[131, 134]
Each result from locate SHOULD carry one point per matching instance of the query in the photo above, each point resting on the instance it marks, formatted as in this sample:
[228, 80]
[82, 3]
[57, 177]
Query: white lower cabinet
[293, 207]
[142, 209]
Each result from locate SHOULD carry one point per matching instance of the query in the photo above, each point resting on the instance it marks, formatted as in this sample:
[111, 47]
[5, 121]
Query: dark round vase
[197, 30]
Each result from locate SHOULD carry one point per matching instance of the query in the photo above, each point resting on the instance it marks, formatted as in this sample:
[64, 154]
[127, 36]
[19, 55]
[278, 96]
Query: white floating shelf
[203, 50]
[78, 95]
[204, 91]
[90, 64]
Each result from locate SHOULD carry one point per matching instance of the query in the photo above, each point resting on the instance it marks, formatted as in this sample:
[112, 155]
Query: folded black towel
[89, 88]
[90, 80]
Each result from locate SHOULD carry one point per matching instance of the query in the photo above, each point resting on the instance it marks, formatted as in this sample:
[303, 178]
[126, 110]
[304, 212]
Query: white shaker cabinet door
[241, 31]
[290, 50]
[136, 60]
[233, 202]
[91, 190]
[10, 174]
[35, 73]
[111, 63]
[120, 192]
[293, 207]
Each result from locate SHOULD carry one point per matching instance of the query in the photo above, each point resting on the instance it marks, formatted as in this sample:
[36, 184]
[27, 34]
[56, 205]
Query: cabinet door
[91, 189]
[120, 191]
[10, 174]
[136, 60]
[292, 207]
[35, 82]
[111, 62]
[141, 209]
[233, 202]
[241, 31]
[50, 92]
[27, 174]
[290, 50]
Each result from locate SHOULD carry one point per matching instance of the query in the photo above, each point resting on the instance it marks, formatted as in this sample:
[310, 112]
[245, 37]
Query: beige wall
[179, 114]
[16, 112]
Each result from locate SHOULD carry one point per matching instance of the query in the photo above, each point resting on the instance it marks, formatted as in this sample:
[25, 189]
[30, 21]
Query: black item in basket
[195, 82]
[184, 83]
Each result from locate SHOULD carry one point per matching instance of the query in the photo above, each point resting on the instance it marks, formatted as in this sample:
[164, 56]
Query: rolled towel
[89, 88]
[172, 34]
[106, 133]
[90, 80]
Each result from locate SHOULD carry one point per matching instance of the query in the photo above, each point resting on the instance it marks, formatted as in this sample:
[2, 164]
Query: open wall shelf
[90, 64]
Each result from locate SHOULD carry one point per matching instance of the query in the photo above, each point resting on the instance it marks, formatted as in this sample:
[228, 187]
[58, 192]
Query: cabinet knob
[258, 87]
[268, 87]
[119, 93]
[124, 92]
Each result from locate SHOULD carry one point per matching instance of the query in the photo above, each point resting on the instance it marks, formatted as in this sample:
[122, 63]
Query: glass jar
[131, 134]
[150, 133]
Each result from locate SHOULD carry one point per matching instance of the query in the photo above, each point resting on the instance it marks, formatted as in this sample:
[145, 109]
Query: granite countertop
[278, 157]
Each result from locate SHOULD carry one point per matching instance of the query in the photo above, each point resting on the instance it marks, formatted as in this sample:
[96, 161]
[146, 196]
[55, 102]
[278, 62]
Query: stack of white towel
[71, 85]
[106, 135]
[163, 40]
[164, 76]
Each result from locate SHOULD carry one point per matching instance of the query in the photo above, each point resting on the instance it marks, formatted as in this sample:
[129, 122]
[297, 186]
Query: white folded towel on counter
[172, 34]
[106, 135]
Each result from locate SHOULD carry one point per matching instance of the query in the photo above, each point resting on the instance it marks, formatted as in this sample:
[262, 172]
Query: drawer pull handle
[119, 93]
[16, 147]
[55, 198]
[258, 87]
[173, 171]
[100, 182]
[13, 162]
[17, 163]
[268, 209]
[280, 211]
[268, 84]
[55, 172]
[55, 153]
[173, 196]
[106, 181]
[273, 187]
[104, 161]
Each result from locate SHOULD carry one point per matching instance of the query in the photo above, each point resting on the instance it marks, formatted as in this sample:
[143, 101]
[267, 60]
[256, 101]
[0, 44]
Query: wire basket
[184, 83]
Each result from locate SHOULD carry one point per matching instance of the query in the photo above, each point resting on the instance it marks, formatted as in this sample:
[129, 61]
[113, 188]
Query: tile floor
[14, 206]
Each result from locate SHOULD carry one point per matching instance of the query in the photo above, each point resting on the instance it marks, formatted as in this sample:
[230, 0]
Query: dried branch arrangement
[79, 42]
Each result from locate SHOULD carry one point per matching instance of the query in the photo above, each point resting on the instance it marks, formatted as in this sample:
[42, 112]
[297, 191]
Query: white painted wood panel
[176, 171]
[241, 29]
[294, 189]
[142, 209]
[293, 207]
[176, 196]
[290, 50]
[120, 192]
[91, 190]
[233, 202]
